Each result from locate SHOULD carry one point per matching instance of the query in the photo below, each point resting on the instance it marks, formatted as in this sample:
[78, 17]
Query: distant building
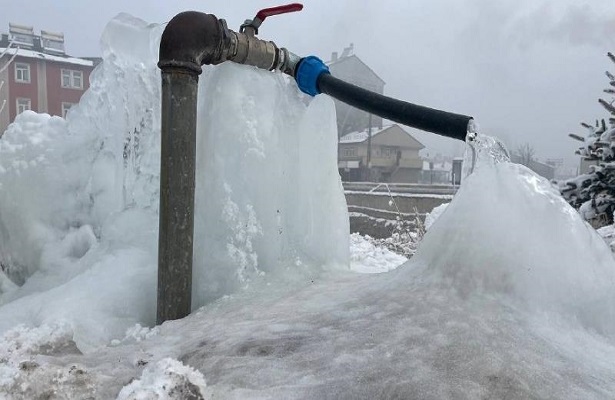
[437, 172]
[41, 76]
[392, 157]
[442, 170]
[352, 69]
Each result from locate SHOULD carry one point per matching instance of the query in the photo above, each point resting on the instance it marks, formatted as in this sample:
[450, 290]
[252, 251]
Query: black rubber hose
[427, 119]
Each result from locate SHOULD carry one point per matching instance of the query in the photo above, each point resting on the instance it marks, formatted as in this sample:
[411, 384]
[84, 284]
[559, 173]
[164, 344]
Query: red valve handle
[287, 8]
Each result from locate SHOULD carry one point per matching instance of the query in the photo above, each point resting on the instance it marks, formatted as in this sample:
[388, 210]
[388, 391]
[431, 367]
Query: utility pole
[369, 149]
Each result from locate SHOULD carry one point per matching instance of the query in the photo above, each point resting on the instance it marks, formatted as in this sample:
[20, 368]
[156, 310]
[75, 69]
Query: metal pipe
[189, 40]
[176, 223]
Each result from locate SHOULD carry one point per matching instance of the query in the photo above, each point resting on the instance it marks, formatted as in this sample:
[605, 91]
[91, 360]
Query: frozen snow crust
[509, 296]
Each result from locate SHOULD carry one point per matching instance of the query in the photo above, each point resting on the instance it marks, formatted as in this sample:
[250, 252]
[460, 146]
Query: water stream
[482, 149]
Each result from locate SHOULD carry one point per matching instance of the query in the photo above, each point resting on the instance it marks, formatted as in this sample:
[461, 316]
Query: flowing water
[482, 149]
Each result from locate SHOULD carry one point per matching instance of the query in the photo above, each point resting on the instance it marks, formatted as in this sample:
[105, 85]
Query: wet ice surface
[509, 296]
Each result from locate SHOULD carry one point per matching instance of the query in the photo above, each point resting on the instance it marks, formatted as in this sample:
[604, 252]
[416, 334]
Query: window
[388, 152]
[22, 72]
[65, 108]
[23, 105]
[349, 152]
[72, 79]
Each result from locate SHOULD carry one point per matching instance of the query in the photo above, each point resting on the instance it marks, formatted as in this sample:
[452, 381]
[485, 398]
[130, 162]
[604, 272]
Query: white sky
[527, 70]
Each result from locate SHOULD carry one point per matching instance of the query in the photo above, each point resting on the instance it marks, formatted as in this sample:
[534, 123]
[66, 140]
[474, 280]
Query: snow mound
[167, 379]
[24, 372]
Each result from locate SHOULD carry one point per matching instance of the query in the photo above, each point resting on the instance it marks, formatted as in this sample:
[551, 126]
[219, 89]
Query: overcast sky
[527, 70]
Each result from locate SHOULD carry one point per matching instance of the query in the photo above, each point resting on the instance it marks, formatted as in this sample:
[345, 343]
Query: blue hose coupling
[307, 74]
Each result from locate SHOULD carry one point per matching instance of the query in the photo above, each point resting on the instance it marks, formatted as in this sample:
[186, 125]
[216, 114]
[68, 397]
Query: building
[36, 74]
[437, 172]
[392, 155]
[350, 68]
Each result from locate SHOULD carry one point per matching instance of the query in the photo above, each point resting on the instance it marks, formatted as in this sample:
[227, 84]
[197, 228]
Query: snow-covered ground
[510, 295]
[369, 258]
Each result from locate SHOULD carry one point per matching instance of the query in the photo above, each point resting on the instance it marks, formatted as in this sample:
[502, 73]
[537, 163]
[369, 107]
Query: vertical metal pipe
[177, 171]
[190, 40]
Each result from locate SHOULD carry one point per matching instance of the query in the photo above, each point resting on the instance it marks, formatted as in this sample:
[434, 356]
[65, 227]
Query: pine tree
[593, 194]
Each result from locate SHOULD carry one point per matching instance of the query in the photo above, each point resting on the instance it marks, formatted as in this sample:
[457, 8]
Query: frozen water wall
[268, 192]
[79, 198]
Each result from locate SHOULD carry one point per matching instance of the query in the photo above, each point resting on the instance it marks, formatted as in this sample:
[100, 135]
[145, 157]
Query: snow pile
[24, 372]
[367, 258]
[79, 198]
[167, 379]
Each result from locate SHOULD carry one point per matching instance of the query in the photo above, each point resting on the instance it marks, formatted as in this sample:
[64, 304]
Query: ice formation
[434, 214]
[79, 198]
[509, 296]
[509, 232]
[269, 196]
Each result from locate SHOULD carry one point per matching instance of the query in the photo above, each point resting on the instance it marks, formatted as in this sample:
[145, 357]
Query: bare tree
[526, 154]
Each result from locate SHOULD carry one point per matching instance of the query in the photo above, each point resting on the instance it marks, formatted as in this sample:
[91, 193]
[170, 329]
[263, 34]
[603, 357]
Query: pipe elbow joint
[190, 40]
